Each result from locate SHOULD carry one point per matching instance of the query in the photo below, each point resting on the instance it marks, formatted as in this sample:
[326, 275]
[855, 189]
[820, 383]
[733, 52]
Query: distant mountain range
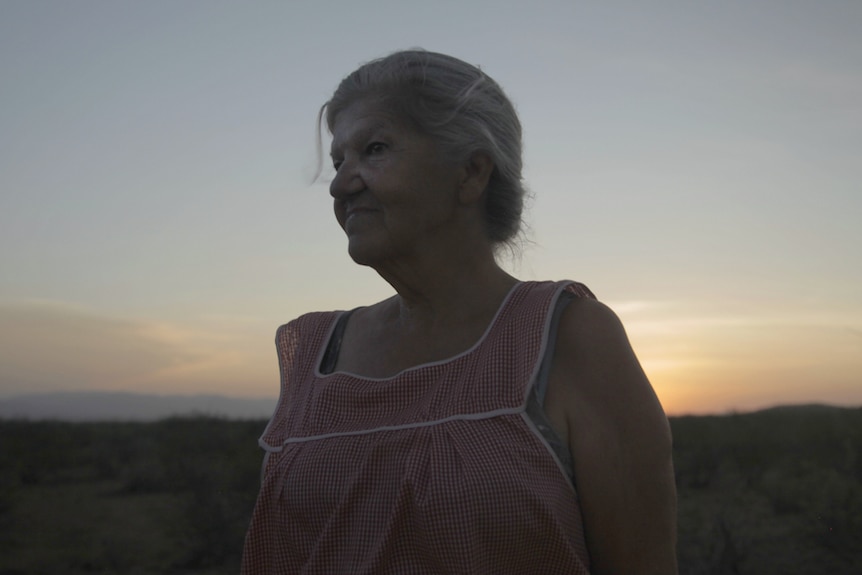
[120, 406]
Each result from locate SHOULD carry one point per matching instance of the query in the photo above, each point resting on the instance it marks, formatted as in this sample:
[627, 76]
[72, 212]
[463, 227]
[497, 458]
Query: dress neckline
[344, 315]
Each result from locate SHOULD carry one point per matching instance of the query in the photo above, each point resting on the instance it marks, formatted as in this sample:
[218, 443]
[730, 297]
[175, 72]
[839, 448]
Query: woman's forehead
[360, 120]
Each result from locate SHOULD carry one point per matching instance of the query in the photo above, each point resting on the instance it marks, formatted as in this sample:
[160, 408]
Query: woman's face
[394, 194]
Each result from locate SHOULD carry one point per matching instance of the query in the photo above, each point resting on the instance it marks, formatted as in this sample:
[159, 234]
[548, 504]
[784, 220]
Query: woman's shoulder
[596, 351]
[586, 321]
[600, 369]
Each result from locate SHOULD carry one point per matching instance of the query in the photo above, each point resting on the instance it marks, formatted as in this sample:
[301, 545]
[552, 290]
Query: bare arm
[621, 444]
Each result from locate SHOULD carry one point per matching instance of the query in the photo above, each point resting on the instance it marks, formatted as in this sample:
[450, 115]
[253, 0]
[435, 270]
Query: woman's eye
[336, 164]
[375, 148]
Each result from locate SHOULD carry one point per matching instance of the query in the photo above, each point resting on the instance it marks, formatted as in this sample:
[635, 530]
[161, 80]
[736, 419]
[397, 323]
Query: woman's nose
[347, 181]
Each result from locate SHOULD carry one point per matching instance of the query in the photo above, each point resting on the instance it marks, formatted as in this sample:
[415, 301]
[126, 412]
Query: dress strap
[541, 386]
[330, 356]
[535, 409]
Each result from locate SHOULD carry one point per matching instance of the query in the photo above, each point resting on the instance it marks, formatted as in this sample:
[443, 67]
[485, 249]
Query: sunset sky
[696, 164]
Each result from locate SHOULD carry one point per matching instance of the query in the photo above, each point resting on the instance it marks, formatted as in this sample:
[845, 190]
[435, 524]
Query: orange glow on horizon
[696, 366]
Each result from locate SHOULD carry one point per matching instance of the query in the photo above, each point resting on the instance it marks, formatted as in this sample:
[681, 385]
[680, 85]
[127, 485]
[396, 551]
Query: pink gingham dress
[435, 470]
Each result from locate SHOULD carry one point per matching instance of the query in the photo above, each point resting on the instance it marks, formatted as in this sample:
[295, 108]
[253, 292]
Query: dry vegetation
[779, 491]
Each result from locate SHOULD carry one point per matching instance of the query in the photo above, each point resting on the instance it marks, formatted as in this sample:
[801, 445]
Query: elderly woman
[470, 423]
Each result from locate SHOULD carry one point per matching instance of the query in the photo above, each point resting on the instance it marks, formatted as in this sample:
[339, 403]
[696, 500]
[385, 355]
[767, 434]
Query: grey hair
[461, 108]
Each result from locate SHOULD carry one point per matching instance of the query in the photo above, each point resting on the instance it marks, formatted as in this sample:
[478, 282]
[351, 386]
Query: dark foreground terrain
[773, 492]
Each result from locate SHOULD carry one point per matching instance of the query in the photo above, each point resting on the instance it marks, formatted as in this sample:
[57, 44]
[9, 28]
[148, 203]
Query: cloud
[49, 346]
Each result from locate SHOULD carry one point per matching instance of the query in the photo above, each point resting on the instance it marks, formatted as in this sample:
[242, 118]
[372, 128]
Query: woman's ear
[477, 172]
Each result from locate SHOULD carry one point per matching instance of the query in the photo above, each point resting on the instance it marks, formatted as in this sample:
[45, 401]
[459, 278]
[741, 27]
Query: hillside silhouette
[125, 406]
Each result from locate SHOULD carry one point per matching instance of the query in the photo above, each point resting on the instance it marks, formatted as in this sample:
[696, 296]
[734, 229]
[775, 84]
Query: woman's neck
[432, 297]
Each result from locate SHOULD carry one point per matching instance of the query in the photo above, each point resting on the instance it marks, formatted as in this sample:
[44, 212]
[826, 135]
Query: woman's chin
[362, 253]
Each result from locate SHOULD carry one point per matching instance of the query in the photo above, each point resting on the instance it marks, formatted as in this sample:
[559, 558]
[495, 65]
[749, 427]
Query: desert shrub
[776, 491]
